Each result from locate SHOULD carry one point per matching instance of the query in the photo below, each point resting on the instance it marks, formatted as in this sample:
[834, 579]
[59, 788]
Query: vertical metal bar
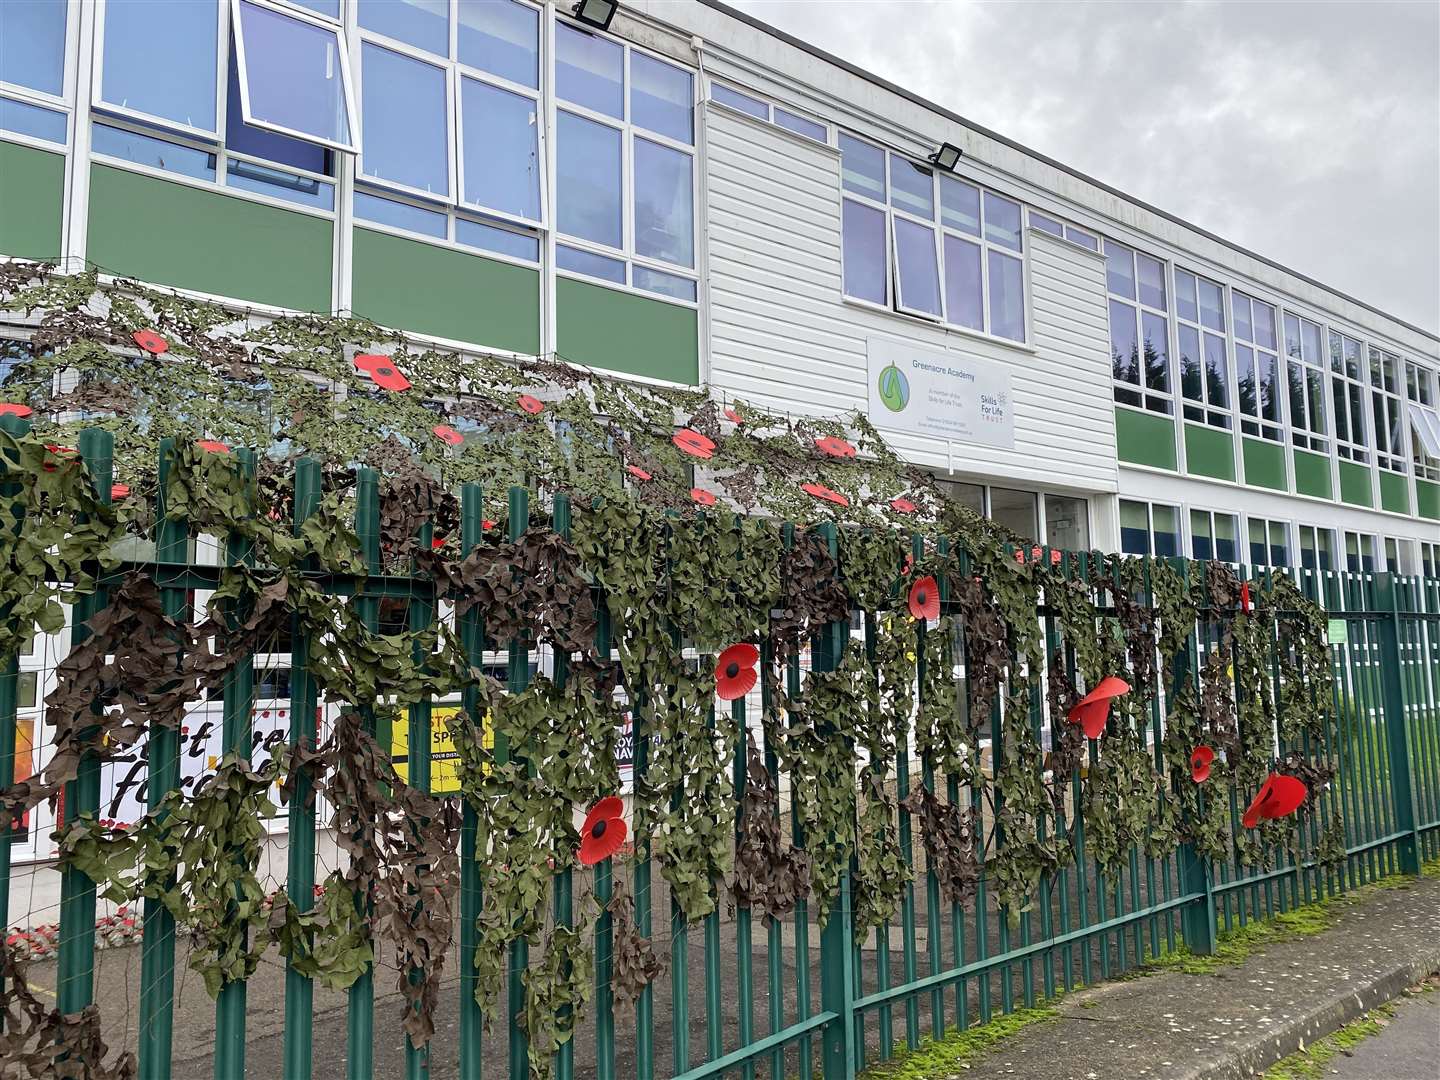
[932, 883]
[12, 518]
[238, 703]
[1198, 921]
[1082, 871]
[886, 1020]
[76, 966]
[472, 639]
[360, 1014]
[564, 883]
[1397, 733]
[299, 989]
[421, 617]
[518, 680]
[774, 941]
[907, 898]
[797, 835]
[744, 954]
[162, 752]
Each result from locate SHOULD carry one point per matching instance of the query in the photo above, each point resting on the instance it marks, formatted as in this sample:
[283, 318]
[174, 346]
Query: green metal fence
[785, 998]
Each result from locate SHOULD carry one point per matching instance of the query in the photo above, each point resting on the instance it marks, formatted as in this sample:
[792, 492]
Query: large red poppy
[735, 672]
[532, 405]
[448, 435]
[1278, 796]
[734, 417]
[638, 473]
[211, 446]
[150, 341]
[1091, 711]
[693, 443]
[835, 447]
[703, 497]
[902, 506]
[387, 376]
[370, 361]
[9, 409]
[1201, 758]
[66, 454]
[603, 832]
[925, 598]
[820, 491]
[119, 491]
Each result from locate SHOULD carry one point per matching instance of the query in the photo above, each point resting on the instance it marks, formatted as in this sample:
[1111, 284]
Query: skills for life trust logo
[894, 388]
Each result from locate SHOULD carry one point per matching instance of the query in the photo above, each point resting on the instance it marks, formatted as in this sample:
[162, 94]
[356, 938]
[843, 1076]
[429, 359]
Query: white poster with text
[940, 394]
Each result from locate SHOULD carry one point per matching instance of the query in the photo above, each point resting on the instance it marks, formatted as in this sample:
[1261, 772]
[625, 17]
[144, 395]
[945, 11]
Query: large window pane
[1134, 528]
[294, 74]
[182, 88]
[1215, 370]
[422, 23]
[915, 261]
[403, 106]
[1002, 221]
[912, 188]
[664, 204]
[241, 138]
[1151, 274]
[502, 149]
[959, 205]
[1067, 523]
[1015, 510]
[1007, 297]
[1156, 349]
[1202, 544]
[862, 168]
[1120, 269]
[1212, 311]
[661, 98]
[1192, 384]
[964, 302]
[588, 196]
[1186, 305]
[1124, 344]
[1166, 523]
[589, 71]
[156, 153]
[501, 37]
[32, 44]
[864, 250]
[1259, 548]
[1227, 538]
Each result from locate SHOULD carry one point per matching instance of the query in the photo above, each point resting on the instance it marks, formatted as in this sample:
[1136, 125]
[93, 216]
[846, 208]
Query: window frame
[1181, 526]
[1269, 525]
[63, 102]
[1349, 448]
[1208, 411]
[1315, 533]
[1255, 425]
[1308, 438]
[1361, 545]
[1139, 309]
[1211, 516]
[1392, 404]
[771, 108]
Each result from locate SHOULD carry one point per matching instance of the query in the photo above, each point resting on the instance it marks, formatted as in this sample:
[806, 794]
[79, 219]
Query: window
[1347, 397]
[32, 45]
[1430, 559]
[610, 131]
[1016, 510]
[1386, 410]
[1305, 375]
[1359, 553]
[1214, 536]
[1317, 548]
[1399, 558]
[294, 75]
[182, 92]
[23, 118]
[27, 685]
[930, 245]
[1419, 384]
[1269, 545]
[1139, 328]
[971, 495]
[1147, 529]
[1079, 236]
[1067, 523]
[1200, 336]
[763, 110]
[1257, 367]
[1046, 224]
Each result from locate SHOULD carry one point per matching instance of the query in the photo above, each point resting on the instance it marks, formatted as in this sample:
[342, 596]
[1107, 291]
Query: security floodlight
[947, 157]
[596, 13]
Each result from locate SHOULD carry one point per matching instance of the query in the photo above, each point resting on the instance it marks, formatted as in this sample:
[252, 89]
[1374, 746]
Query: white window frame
[1208, 412]
[452, 218]
[64, 102]
[771, 108]
[1254, 424]
[1211, 515]
[1269, 525]
[1181, 526]
[1307, 437]
[1391, 459]
[1349, 448]
[1316, 532]
[1139, 310]
[348, 87]
[1362, 540]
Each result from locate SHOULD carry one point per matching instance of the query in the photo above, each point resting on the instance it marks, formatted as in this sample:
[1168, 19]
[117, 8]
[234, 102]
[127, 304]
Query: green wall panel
[1427, 499]
[605, 328]
[1312, 474]
[1209, 452]
[1355, 484]
[155, 230]
[1394, 492]
[1145, 439]
[32, 195]
[1264, 464]
[411, 285]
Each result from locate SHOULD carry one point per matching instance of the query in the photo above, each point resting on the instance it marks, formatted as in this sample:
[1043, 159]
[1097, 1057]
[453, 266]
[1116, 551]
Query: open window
[294, 75]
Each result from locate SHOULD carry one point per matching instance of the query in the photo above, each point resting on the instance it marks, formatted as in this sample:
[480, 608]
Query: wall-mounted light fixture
[947, 157]
[596, 13]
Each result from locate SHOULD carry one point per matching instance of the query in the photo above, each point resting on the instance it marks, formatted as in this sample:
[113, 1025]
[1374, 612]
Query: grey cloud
[1309, 132]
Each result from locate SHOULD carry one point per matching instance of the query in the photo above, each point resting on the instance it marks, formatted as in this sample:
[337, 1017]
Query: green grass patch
[941, 1057]
[1309, 1063]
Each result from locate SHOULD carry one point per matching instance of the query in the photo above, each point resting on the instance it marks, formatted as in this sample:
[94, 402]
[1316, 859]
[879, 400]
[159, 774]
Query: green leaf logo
[894, 389]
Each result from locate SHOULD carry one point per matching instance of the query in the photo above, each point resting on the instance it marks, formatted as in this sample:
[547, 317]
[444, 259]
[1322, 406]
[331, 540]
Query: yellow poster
[444, 758]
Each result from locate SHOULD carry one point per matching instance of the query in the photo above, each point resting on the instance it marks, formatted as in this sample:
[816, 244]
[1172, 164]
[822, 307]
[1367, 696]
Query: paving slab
[1407, 1049]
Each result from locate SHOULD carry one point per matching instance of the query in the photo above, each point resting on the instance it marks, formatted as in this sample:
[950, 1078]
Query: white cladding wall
[781, 336]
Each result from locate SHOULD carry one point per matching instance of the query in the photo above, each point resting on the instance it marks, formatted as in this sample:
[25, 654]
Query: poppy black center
[920, 596]
[598, 830]
[384, 371]
[732, 670]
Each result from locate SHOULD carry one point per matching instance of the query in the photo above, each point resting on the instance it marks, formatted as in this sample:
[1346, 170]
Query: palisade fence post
[837, 957]
[9, 666]
[517, 682]
[1198, 917]
[472, 638]
[76, 966]
[162, 754]
[421, 618]
[1397, 730]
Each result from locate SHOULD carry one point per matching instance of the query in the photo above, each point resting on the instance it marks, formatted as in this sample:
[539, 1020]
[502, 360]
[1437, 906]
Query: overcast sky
[1308, 132]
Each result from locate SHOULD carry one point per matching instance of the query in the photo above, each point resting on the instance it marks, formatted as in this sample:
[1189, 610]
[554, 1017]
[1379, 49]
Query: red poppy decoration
[370, 361]
[835, 447]
[437, 543]
[119, 491]
[388, 377]
[487, 524]
[210, 446]
[703, 497]
[637, 472]
[909, 564]
[1245, 596]
[9, 409]
[1020, 556]
[150, 341]
[1091, 711]
[448, 435]
[532, 405]
[1278, 796]
[902, 506]
[734, 417]
[603, 831]
[820, 491]
[1054, 558]
[693, 443]
[735, 672]
[1201, 758]
[925, 599]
